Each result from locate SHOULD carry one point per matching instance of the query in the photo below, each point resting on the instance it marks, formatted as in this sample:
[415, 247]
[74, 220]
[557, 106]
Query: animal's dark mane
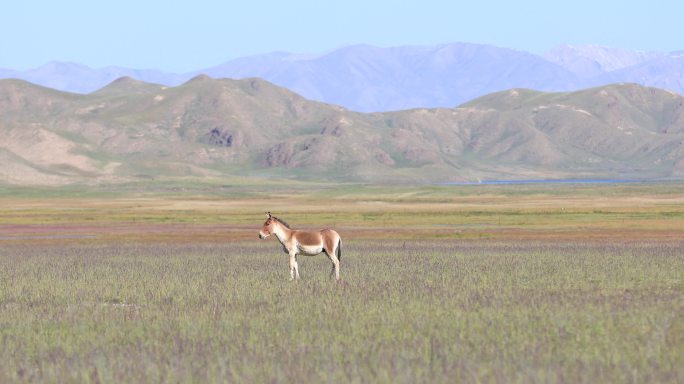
[283, 222]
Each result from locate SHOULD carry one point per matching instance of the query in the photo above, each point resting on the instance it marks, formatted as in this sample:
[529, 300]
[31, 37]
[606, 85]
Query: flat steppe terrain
[524, 283]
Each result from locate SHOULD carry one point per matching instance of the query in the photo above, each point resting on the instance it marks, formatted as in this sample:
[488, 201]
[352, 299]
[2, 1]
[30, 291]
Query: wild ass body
[307, 243]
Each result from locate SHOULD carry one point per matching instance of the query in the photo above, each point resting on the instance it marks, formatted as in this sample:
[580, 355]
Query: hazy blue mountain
[665, 72]
[367, 78]
[7, 73]
[360, 77]
[72, 77]
[588, 61]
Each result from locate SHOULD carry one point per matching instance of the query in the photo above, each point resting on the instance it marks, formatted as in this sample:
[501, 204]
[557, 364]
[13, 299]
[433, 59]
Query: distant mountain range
[220, 128]
[369, 79]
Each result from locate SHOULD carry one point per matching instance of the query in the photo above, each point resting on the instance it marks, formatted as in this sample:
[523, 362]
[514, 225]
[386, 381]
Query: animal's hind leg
[335, 265]
[332, 270]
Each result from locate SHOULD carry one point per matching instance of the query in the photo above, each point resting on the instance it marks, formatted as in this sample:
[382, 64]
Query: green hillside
[215, 129]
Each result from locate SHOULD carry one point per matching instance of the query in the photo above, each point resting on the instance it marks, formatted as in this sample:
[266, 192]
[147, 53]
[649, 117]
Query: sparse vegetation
[412, 311]
[440, 284]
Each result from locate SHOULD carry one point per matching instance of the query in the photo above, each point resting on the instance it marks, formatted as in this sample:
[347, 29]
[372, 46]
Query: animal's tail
[339, 250]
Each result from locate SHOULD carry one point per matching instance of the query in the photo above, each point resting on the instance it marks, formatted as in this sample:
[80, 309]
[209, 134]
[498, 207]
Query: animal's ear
[268, 214]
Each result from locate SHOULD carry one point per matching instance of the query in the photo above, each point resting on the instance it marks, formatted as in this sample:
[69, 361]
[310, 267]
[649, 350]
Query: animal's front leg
[296, 267]
[294, 272]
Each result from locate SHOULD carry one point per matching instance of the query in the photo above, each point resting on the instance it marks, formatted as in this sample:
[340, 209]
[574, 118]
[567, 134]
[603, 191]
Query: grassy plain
[533, 283]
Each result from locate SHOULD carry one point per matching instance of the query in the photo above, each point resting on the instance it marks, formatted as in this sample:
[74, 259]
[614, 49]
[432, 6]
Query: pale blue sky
[181, 36]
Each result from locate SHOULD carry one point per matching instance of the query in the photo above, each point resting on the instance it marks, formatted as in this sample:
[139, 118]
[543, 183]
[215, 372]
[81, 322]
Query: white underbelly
[309, 249]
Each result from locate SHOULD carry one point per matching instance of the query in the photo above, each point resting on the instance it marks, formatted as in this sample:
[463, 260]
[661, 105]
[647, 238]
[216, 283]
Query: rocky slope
[208, 128]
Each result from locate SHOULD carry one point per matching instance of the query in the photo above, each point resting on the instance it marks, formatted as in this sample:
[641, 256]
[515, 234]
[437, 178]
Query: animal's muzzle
[262, 236]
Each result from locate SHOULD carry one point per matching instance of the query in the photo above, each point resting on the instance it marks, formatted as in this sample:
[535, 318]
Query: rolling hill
[218, 128]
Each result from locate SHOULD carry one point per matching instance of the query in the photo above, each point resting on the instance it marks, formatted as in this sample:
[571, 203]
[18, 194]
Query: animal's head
[268, 227]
